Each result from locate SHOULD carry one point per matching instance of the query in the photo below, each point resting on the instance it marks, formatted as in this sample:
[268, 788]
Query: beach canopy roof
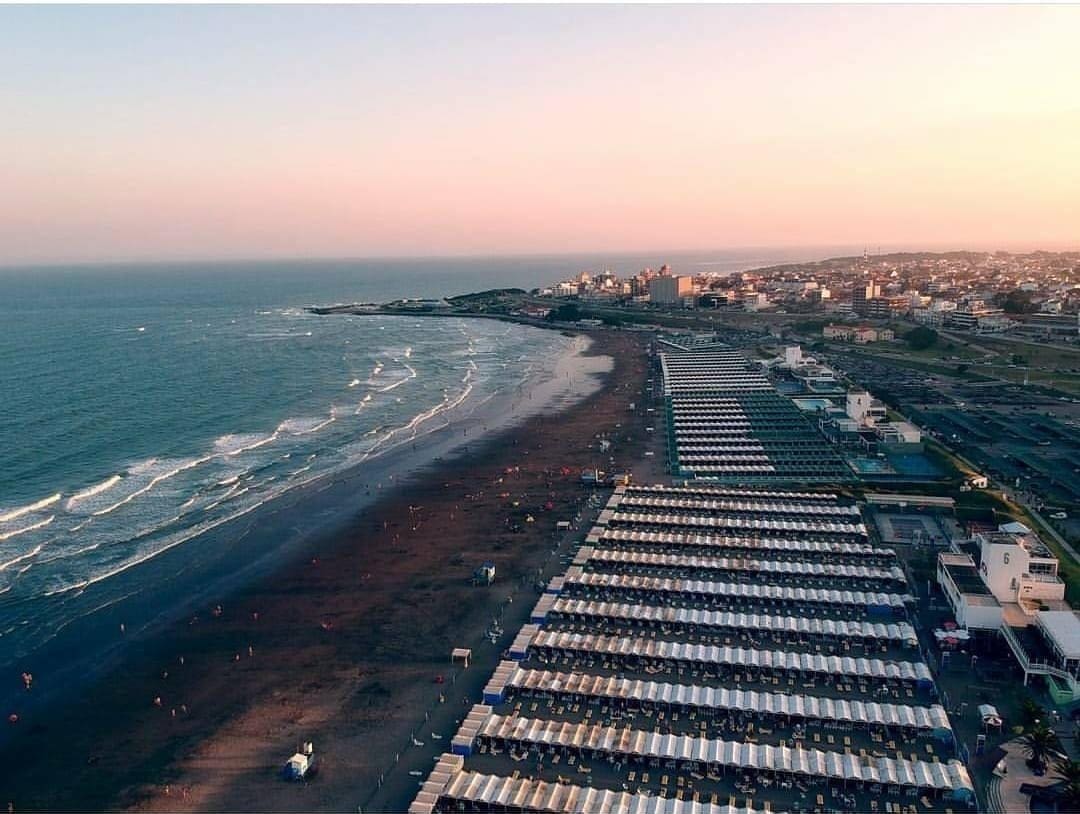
[742, 590]
[944, 776]
[760, 524]
[499, 792]
[753, 622]
[728, 491]
[661, 650]
[746, 504]
[710, 540]
[692, 561]
[807, 707]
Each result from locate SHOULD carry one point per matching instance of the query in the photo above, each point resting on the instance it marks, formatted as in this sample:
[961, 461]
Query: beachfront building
[712, 649]
[973, 603]
[1015, 590]
[1019, 568]
[864, 408]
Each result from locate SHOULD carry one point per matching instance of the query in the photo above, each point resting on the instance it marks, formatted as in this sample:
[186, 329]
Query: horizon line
[872, 249]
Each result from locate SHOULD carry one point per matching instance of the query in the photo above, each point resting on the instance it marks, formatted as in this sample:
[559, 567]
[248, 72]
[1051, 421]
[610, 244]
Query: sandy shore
[341, 645]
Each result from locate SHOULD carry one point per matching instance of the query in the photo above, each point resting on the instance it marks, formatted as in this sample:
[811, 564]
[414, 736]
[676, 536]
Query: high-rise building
[670, 290]
[862, 294]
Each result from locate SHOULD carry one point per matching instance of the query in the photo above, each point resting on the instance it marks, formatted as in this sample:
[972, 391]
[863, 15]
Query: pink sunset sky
[249, 132]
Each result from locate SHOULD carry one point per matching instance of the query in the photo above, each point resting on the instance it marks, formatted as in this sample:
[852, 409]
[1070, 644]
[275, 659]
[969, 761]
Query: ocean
[143, 406]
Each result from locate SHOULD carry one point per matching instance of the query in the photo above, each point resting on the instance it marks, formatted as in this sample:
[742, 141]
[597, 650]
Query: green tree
[1069, 770]
[1015, 302]
[1030, 712]
[921, 338]
[1039, 744]
[567, 312]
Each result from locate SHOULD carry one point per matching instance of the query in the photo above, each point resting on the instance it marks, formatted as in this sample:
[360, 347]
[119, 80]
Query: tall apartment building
[670, 289]
[862, 294]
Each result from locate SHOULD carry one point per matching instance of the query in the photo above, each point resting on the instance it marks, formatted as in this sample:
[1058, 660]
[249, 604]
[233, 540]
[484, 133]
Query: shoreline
[331, 515]
[253, 544]
[206, 565]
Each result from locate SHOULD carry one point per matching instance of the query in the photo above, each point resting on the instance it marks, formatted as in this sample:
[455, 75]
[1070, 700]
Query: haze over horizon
[281, 132]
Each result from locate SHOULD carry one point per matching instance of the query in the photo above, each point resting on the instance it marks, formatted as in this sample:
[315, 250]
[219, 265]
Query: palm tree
[1070, 776]
[1030, 711]
[1039, 743]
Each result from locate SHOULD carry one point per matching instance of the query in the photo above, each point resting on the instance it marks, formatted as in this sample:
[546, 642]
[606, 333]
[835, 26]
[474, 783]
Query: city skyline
[159, 134]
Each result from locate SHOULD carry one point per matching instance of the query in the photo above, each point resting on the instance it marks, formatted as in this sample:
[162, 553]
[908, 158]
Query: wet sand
[342, 645]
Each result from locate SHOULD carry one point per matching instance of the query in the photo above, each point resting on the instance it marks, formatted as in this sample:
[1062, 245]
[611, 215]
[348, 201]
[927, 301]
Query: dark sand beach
[343, 644]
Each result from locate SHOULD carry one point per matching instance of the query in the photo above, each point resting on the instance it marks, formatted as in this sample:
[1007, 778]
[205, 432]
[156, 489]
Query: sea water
[142, 406]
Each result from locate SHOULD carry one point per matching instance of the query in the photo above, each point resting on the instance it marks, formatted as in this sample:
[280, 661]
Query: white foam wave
[234, 444]
[304, 426]
[193, 462]
[105, 485]
[39, 524]
[148, 555]
[401, 381]
[32, 553]
[143, 467]
[15, 514]
[354, 383]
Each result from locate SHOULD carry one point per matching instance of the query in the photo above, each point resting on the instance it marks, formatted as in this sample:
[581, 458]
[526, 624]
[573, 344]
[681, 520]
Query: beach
[341, 639]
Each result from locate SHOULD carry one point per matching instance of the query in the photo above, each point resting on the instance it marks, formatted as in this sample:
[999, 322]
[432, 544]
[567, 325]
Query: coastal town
[540, 408]
[1034, 295]
[766, 561]
[826, 602]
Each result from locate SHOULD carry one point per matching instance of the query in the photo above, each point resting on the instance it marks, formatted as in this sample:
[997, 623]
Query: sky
[143, 133]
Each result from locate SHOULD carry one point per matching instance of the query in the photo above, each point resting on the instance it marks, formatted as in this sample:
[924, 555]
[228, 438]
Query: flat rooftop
[967, 579]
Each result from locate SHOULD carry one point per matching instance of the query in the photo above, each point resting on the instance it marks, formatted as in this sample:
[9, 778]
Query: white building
[1018, 568]
[974, 606]
[864, 408]
[843, 332]
[755, 301]
[1061, 633]
[670, 290]
[898, 432]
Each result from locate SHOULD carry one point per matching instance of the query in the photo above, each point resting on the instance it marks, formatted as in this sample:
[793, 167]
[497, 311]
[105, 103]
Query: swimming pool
[812, 404]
